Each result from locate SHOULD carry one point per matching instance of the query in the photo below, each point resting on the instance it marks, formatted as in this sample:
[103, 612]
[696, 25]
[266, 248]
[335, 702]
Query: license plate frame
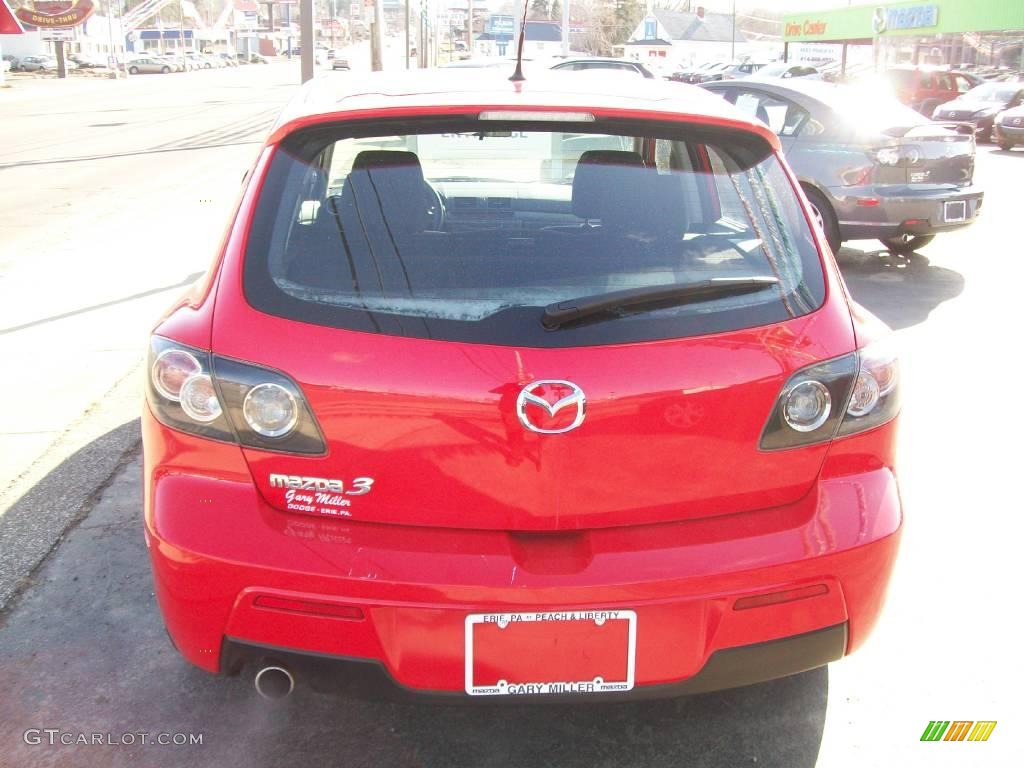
[551, 687]
[954, 210]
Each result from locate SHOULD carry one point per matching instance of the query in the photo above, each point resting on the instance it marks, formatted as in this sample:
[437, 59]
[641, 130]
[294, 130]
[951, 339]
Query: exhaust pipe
[273, 682]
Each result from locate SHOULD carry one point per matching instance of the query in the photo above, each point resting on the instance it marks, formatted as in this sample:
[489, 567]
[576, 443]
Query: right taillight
[838, 397]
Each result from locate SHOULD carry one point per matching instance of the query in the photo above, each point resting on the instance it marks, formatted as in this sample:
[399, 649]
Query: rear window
[465, 230]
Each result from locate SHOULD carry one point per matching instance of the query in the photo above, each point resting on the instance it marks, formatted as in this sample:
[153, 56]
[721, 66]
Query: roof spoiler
[964, 129]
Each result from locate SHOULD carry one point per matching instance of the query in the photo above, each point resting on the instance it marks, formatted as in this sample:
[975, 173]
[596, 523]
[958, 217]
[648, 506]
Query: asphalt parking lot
[83, 651]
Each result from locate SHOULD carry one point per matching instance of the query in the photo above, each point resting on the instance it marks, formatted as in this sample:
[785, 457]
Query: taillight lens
[811, 405]
[896, 154]
[225, 399]
[876, 392]
[267, 409]
[170, 370]
[839, 397]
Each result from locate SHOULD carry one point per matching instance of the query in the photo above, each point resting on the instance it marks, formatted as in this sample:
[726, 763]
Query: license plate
[955, 210]
[550, 652]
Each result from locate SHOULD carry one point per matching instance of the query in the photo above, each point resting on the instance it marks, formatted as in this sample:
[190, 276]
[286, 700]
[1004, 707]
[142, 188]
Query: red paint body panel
[216, 545]
[434, 423]
[664, 505]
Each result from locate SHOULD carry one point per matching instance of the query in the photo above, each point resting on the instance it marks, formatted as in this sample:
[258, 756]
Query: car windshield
[1001, 92]
[469, 232]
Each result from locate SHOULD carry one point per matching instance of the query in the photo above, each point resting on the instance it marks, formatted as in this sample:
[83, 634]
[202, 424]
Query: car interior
[386, 227]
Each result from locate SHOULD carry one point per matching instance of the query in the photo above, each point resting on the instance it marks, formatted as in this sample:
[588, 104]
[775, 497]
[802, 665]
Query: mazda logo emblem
[575, 399]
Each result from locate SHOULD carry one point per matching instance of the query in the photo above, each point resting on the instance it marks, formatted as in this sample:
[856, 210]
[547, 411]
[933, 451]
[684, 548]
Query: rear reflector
[774, 598]
[350, 612]
[868, 202]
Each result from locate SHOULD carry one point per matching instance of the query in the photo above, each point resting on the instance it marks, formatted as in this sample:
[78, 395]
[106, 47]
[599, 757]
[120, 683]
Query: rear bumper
[216, 548]
[888, 211]
[729, 668]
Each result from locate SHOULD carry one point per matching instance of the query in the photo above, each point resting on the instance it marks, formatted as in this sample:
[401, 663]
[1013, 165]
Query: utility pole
[110, 35]
[469, 29]
[377, 37]
[181, 35]
[306, 38]
[407, 34]
[288, 23]
[565, 27]
[62, 69]
[732, 49]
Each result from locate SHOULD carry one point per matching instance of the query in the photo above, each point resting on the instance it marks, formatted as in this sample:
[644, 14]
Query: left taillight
[225, 399]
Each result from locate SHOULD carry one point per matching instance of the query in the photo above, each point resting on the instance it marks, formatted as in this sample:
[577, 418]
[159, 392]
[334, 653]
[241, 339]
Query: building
[684, 38]
[952, 32]
[543, 38]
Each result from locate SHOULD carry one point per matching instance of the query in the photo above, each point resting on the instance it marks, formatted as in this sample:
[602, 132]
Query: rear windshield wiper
[564, 312]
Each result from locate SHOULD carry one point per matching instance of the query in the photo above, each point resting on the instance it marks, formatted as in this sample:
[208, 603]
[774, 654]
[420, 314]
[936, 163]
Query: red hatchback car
[520, 389]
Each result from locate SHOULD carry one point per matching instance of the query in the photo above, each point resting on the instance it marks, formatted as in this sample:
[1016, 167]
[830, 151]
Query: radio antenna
[517, 76]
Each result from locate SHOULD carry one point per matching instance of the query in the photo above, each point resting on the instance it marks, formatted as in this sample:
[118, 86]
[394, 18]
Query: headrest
[388, 184]
[370, 159]
[604, 182]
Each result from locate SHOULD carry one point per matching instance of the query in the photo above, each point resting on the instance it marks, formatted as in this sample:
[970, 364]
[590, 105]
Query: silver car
[871, 167]
[600, 62]
[36, 63]
[147, 66]
[1009, 128]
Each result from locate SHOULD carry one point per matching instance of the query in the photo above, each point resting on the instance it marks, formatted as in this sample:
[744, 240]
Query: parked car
[980, 106]
[215, 62]
[255, 58]
[871, 168]
[229, 59]
[924, 89]
[682, 74]
[732, 71]
[12, 62]
[5, 65]
[36, 63]
[599, 62]
[198, 61]
[145, 65]
[575, 424]
[176, 61]
[87, 61]
[784, 71]
[1009, 128]
[705, 74]
[340, 64]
